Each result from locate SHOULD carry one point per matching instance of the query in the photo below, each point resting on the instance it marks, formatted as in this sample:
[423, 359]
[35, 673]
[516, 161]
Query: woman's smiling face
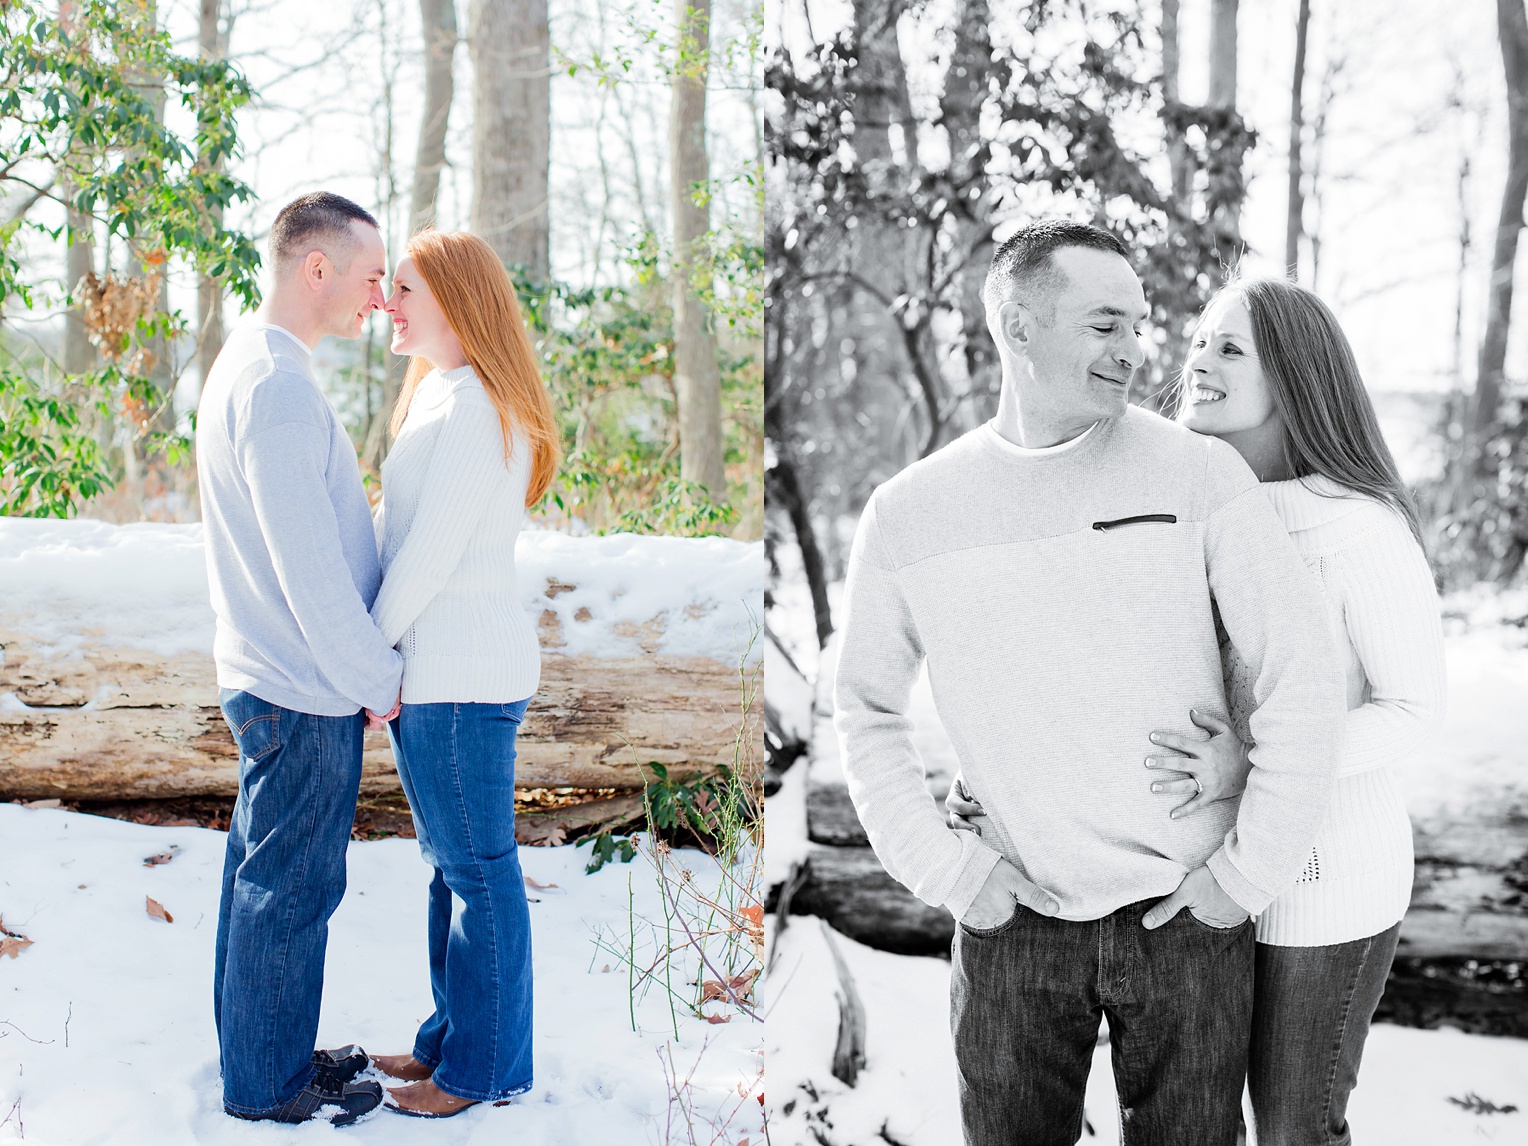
[1226, 391]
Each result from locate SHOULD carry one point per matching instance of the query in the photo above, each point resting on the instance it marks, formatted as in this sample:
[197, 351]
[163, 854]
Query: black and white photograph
[1146, 673]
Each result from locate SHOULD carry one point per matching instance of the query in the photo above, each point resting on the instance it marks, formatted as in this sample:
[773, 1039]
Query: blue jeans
[1026, 999]
[457, 764]
[1310, 1015]
[283, 876]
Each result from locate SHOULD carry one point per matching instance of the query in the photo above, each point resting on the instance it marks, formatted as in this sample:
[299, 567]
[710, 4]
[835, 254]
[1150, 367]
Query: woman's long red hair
[473, 289]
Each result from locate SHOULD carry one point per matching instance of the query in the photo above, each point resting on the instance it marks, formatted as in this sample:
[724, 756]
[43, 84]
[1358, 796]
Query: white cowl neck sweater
[1384, 615]
[451, 513]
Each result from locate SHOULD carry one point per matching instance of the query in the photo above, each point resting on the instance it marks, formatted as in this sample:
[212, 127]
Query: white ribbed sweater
[446, 528]
[1384, 615]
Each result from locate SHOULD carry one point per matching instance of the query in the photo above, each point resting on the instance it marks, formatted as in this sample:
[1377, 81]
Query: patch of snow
[112, 1038]
[908, 1085]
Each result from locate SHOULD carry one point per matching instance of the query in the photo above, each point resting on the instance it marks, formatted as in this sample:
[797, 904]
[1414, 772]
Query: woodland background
[610, 151]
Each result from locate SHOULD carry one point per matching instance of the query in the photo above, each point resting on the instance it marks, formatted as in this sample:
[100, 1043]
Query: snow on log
[1467, 793]
[107, 687]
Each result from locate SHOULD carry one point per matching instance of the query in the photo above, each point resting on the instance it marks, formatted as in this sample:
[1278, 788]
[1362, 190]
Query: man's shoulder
[257, 384]
[1165, 446]
[951, 466]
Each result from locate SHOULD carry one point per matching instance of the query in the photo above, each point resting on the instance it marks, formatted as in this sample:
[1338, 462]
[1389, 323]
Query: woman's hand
[375, 723]
[1212, 767]
[966, 815]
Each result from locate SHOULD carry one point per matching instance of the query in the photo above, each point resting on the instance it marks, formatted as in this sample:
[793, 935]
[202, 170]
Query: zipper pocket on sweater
[1165, 518]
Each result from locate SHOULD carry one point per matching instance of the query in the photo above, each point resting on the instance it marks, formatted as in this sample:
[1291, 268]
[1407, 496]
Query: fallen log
[100, 705]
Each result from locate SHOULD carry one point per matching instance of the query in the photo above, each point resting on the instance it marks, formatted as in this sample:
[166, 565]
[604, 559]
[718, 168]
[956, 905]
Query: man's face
[1082, 355]
[351, 291]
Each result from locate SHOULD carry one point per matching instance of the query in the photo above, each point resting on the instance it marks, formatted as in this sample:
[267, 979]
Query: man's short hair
[1023, 270]
[320, 220]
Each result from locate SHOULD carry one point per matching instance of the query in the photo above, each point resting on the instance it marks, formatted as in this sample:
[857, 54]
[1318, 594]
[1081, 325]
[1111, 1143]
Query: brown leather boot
[401, 1066]
[426, 1100]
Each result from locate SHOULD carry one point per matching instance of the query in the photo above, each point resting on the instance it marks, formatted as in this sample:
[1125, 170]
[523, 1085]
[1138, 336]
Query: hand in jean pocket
[1201, 893]
[995, 903]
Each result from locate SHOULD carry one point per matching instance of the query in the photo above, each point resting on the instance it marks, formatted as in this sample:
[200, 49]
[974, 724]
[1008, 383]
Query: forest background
[608, 150]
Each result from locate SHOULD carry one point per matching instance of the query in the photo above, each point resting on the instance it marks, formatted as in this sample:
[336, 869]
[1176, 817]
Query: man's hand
[1206, 901]
[994, 903]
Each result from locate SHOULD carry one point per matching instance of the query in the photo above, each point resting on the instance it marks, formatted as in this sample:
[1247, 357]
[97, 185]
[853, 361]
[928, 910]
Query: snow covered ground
[1414, 1089]
[106, 1034]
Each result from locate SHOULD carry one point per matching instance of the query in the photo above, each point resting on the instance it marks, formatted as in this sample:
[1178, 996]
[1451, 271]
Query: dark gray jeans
[1025, 1002]
[1310, 1015]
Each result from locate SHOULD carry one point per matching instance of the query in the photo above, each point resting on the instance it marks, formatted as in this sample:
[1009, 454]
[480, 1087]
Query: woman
[476, 443]
[1272, 374]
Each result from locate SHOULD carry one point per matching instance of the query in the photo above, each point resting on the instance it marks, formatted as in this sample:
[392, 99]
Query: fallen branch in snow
[849, 1051]
[1477, 1105]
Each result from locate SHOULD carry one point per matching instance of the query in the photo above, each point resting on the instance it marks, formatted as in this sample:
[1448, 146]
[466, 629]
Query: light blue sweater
[291, 555]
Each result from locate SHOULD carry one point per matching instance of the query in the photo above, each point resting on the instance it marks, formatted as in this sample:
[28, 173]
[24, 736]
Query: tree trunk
[965, 94]
[1294, 226]
[1512, 24]
[784, 489]
[212, 42]
[511, 130]
[1177, 148]
[1223, 53]
[439, 19]
[79, 354]
[697, 378]
[1227, 212]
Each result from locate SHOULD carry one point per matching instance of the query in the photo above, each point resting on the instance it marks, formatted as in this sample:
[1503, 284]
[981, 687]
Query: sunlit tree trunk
[1294, 226]
[511, 130]
[697, 380]
[439, 21]
[1227, 214]
[1512, 25]
[212, 42]
[79, 354]
[965, 94]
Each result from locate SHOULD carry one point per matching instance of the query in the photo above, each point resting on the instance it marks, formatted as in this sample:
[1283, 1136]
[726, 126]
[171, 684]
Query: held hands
[375, 723]
[994, 903]
[966, 814]
[1205, 899]
[1212, 765]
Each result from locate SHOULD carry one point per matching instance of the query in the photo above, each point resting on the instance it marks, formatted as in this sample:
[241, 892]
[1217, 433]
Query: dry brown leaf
[13, 945]
[716, 1018]
[161, 857]
[156, 909]
[740, 985]
[539, 886]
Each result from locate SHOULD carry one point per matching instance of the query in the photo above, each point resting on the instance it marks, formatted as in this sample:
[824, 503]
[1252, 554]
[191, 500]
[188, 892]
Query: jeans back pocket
[255, 724]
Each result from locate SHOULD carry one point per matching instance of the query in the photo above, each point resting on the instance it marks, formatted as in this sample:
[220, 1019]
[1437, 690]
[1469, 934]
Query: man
[1057, 567]
[292, 566]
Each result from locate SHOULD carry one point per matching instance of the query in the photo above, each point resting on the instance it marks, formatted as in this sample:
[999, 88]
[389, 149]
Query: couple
[313, 626]
[1082, 576]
